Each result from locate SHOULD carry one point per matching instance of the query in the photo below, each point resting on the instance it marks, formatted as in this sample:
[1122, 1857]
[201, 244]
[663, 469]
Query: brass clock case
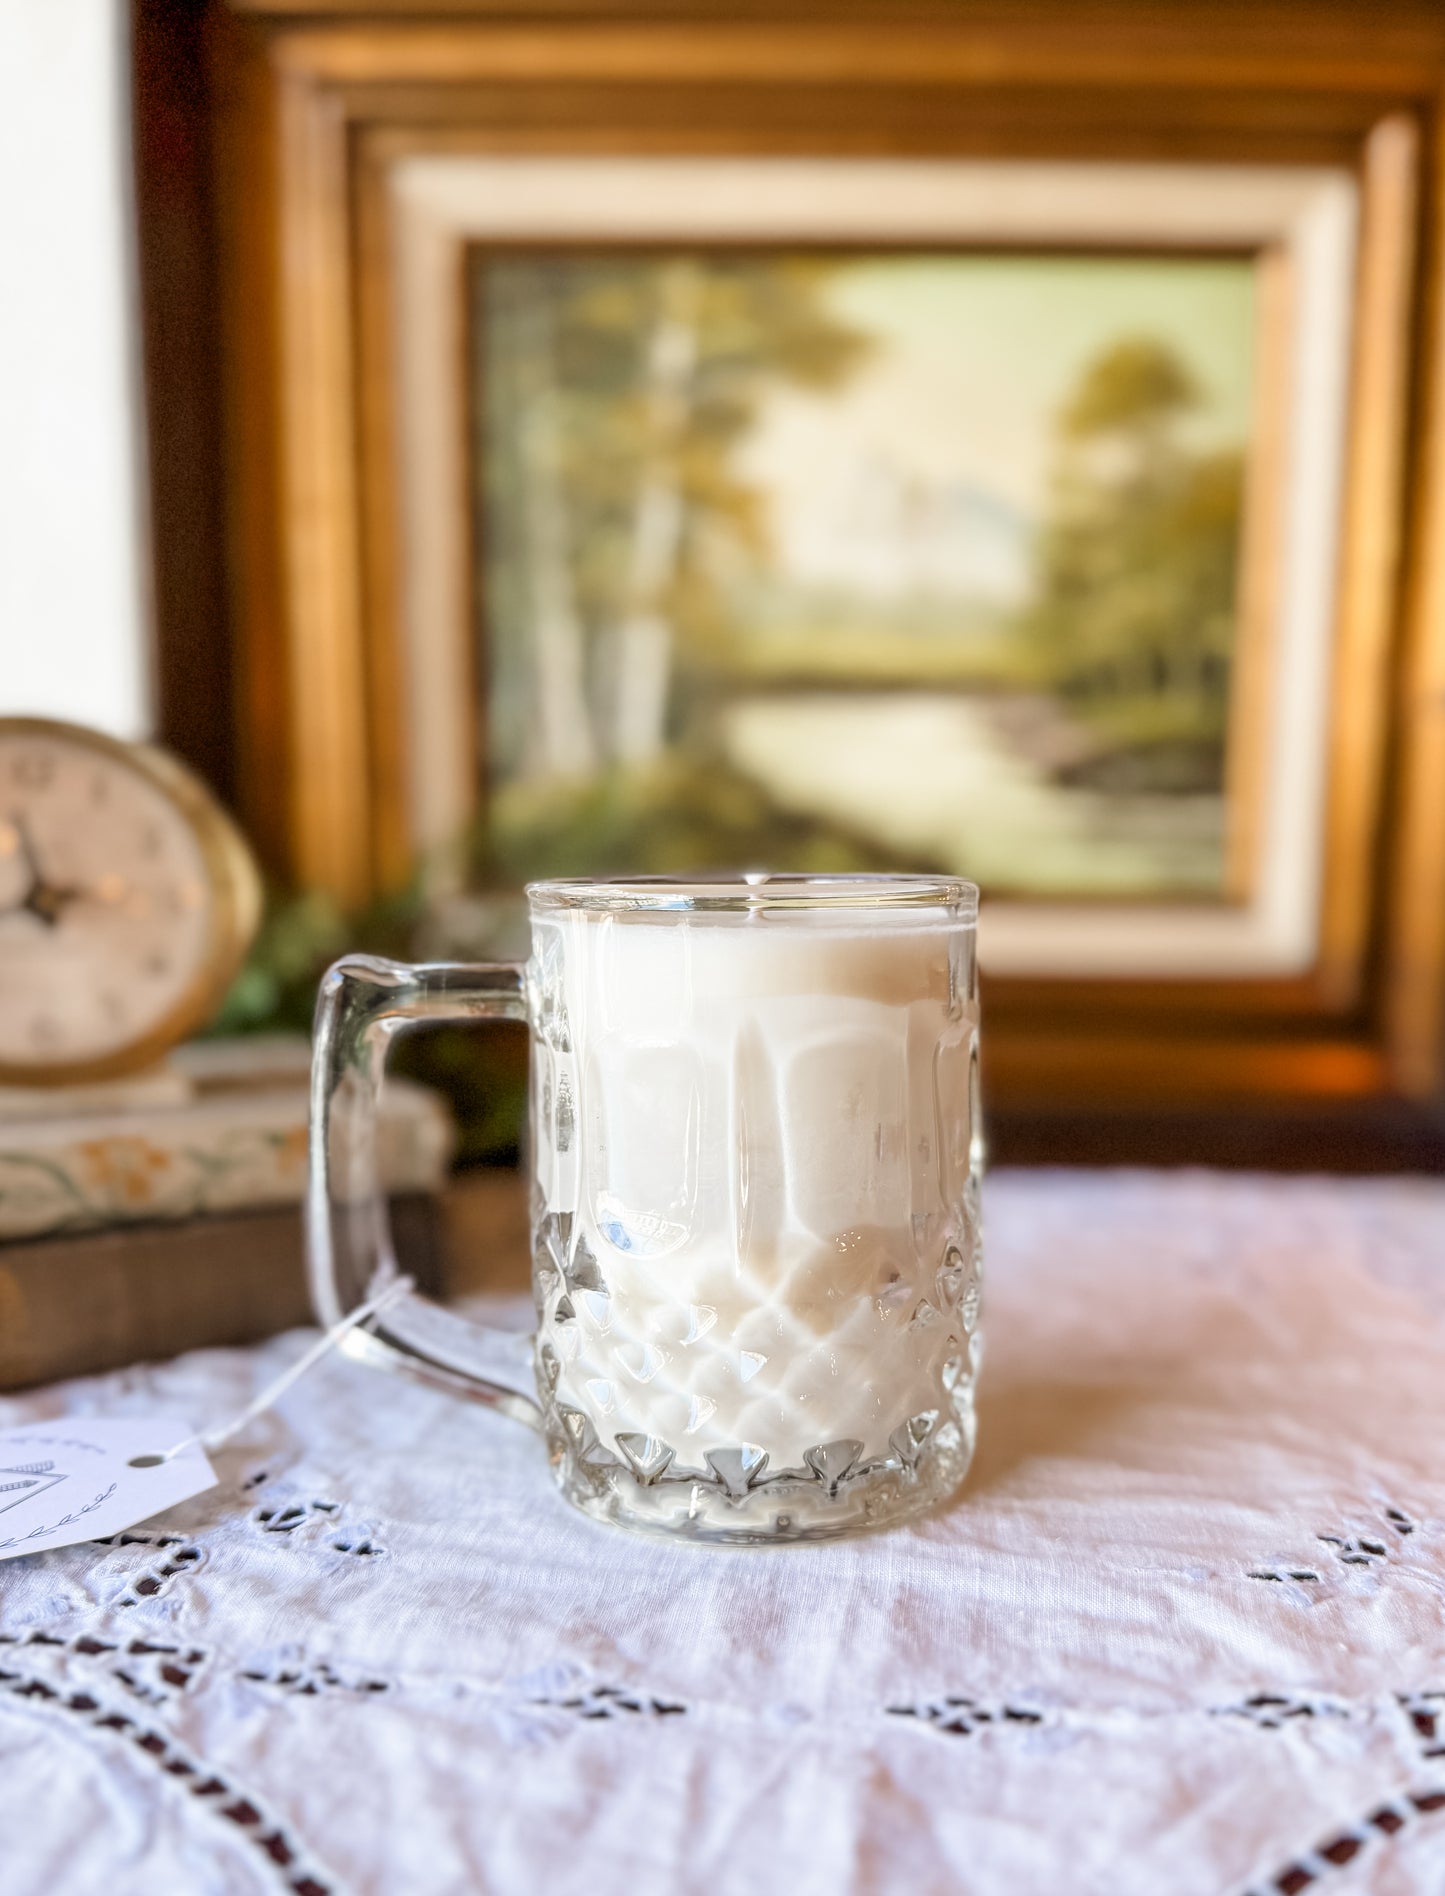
[233, 887]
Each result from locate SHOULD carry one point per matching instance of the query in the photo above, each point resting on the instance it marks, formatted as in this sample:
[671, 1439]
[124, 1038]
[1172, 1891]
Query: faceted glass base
[733, 1504]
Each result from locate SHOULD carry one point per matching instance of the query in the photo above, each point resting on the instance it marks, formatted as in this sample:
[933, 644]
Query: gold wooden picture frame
[345, 142]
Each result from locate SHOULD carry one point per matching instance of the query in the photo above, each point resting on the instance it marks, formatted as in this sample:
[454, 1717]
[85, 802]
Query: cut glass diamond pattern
[565, 1117]
[951, 1275]
[648, 1457]
[909, 1439]
[700, 1319]
[833, 1462]
[969, 1308]
[547, 1279]
[598, 1306]
[581, 1269]
[738, 1469]
[642, 1361]
[600, 1394]
[590, 1453]
[549, 1366]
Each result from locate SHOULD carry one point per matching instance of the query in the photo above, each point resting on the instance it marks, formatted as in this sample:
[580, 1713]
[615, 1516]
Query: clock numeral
[100, 789]
[156, 965]
[112, 1006]
[45, 1033]
[152, 841]
[33, 770]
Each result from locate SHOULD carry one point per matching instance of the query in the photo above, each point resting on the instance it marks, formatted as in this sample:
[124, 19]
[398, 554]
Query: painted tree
[1134, 616]
[530, 557]
[618, 390]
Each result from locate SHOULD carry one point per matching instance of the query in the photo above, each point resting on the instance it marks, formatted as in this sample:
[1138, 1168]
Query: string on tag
[210, 1439]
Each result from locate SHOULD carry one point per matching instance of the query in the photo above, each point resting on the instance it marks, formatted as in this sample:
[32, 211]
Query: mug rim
[753, 891]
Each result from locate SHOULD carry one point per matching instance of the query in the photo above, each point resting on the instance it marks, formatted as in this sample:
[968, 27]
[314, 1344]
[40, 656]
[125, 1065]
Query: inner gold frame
[1296, 223]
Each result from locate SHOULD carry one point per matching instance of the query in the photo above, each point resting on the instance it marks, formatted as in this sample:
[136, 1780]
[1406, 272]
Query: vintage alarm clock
[128, 899]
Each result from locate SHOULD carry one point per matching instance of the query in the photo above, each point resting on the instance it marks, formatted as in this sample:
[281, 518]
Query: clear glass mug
[755, 1156]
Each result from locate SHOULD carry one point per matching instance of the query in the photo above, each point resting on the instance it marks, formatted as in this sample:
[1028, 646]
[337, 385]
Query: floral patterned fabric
[228, 1152]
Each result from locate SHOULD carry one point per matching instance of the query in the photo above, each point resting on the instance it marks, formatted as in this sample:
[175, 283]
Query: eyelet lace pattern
[1180, 1633]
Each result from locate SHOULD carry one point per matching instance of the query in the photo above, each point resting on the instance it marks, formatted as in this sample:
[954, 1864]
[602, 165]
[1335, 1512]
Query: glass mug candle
[755, 1158]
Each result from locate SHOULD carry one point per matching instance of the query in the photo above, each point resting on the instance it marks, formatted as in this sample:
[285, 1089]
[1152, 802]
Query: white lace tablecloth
[1184, 1630]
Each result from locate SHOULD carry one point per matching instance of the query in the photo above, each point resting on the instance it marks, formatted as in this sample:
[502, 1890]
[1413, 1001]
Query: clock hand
[27, 848]
[32, 867]
[47, 901]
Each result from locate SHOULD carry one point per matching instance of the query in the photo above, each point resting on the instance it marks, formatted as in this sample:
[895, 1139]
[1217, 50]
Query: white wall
[73, 591]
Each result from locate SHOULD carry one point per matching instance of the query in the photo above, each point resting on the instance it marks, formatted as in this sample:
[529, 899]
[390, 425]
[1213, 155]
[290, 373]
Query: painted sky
[927, 472]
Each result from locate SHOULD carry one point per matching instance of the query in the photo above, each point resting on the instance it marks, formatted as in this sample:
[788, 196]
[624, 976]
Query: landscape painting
[861, 559]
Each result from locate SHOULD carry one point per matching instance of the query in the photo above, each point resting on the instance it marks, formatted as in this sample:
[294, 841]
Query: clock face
[109, 904]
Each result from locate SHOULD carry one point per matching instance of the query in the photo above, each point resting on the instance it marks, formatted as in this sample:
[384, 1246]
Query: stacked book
[144, 1217]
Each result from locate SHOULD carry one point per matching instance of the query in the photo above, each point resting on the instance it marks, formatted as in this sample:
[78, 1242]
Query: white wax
[764, 1144]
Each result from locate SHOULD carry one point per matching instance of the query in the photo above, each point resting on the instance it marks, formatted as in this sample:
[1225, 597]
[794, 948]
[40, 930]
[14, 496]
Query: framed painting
[989, 444]
[973, 558]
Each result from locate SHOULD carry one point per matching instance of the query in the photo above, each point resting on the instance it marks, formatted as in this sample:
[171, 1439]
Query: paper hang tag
[76, 1478]
[83, 1478]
